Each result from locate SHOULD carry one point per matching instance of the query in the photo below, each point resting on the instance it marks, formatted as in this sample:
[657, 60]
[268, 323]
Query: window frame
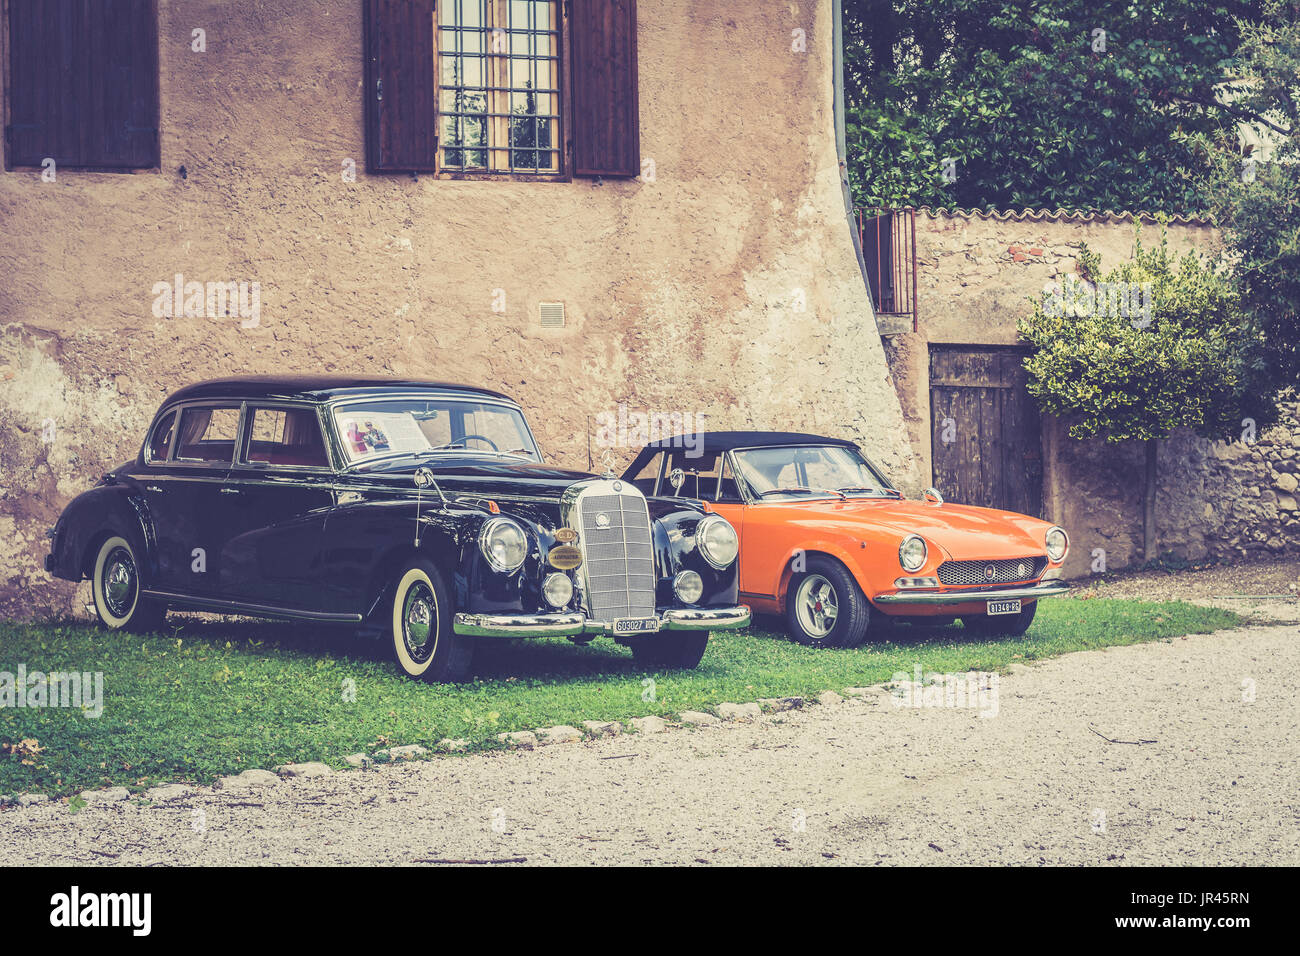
[329, 414]
[246, 436]
[6, 108]
[173, 455]
[565, 96]
[146, 452]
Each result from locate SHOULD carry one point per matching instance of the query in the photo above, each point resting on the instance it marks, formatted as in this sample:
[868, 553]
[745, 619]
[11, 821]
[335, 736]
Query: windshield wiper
[801, 491]
[851, 489]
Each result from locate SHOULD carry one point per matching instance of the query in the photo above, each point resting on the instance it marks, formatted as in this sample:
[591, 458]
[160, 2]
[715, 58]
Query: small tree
[1157, 343]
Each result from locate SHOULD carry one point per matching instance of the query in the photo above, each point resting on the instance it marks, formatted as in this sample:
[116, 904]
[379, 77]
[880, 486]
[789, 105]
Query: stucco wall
[683, 294]
[975, 274]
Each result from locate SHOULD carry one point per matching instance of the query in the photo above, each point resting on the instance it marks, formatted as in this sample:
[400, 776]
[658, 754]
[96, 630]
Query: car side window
[644, 480]
[728, 491]
[207, 433]
[699, 475]
[160, 442]
[285, 436]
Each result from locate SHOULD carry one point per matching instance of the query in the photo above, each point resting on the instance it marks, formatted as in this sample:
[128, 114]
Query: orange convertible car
[827, 541]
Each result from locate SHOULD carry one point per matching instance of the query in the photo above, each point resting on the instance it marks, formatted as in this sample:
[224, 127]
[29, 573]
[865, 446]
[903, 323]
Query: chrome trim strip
[1027, 593]
[705, 618]
[519, 625]
[569, 623]
[223, 606]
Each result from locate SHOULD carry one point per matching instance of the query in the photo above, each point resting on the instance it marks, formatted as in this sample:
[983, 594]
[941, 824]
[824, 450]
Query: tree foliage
[1140, 375]
[1036, 106]
[1257, 205]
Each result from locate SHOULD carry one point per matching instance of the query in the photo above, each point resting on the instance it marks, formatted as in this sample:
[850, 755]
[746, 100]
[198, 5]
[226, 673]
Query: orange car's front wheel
[824, 606]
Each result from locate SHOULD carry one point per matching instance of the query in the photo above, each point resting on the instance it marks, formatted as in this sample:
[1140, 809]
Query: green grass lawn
[219, 697]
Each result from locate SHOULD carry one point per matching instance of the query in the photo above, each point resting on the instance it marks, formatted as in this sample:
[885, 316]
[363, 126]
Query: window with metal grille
[485, 88]
[888, 240]
[498, 81]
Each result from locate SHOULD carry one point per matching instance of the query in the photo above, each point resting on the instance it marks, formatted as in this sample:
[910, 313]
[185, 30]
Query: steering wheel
[465, 438]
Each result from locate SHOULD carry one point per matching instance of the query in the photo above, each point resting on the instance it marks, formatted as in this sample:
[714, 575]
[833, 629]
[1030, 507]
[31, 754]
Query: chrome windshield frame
[451, 396]
[752, 498]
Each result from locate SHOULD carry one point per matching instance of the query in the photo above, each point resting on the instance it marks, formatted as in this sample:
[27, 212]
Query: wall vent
[552, 315]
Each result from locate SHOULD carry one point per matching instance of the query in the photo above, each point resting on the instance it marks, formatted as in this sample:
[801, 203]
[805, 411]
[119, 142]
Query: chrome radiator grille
[1004, 571]
[618, 564]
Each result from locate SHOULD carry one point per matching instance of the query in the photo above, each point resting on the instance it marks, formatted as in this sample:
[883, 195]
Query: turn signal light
[917, 583]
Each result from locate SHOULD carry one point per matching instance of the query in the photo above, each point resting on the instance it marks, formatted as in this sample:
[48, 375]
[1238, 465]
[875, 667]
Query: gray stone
[603, 728]
[107, 795]
[405, 752]
[650, 724]
[1286, 482]
[775, 705]
[1286, 503]
[168, 791]
[739, 711]
[829, 697]
[249, 778]
[448, 745]
[696, 717]
[559, 734]
[519, 739]
[30, 799]
[309, 769]
[358, 761]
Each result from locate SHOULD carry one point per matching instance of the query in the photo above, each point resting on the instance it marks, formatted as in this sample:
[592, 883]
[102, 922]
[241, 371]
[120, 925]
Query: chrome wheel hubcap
[816, 605]
[119, 582]
[418, 627]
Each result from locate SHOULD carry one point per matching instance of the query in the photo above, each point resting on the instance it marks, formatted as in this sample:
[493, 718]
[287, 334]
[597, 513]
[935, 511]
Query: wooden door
[985, 430]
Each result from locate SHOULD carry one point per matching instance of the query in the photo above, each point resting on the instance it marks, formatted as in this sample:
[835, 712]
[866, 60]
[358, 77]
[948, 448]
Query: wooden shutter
[606, 133]
[401, 115]
[83, 83]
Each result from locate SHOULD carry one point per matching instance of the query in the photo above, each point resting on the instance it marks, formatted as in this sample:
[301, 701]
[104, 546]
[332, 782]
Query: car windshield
[417, 427]
[791, 473]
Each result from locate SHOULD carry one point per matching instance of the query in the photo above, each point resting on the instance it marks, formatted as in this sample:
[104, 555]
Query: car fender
[870, 557]
[110, 508]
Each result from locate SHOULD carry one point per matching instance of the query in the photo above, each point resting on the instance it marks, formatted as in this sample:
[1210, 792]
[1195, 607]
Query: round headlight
[717, 541]
[503, 543]
[912, 553]
[688, 587]
[557, 589]
[1057, 543]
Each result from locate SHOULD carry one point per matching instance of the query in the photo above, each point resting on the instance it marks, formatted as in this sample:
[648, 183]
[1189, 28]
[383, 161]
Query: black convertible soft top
[714, 443]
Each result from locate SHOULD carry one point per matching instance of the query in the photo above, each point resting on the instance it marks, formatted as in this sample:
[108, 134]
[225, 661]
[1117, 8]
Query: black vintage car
[419, 510]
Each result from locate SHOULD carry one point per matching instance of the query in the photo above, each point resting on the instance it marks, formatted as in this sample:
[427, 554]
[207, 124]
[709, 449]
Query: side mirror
[932, 496]
[676, 478]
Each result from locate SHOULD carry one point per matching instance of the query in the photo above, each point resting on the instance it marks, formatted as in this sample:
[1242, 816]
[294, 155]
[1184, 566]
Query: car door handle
[157, 488]
[232, 491]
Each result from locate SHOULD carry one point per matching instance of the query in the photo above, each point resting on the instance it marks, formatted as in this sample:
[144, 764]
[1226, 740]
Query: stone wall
[975, 275]
[727, 286]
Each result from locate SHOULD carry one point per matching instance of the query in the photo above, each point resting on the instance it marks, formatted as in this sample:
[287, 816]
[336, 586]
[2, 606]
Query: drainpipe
[841, 143]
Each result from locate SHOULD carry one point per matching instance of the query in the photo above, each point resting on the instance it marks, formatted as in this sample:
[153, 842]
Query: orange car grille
[1003, 571]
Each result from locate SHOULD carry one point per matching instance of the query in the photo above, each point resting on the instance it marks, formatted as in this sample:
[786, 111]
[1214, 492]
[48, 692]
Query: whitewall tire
[116, 588]
[420, 629]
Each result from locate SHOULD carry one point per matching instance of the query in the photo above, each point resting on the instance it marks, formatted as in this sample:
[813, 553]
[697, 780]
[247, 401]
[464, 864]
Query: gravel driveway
[1214, 780]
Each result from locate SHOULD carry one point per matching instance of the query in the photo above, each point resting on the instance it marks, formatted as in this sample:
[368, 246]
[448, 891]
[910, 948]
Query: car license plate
[637, 625]
[1004, 607]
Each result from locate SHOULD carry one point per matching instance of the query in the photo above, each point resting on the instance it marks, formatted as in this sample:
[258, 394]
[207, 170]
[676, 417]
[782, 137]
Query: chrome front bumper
[571, 623]
[1025, 592]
